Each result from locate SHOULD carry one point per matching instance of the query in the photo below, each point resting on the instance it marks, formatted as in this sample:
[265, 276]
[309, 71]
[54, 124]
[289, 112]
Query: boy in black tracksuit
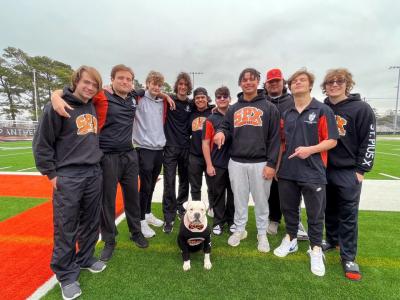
[67, 151]
[197, 164]
[308, 131]
[176, 151]
[217, 175]
[116, 113]
[347, 163]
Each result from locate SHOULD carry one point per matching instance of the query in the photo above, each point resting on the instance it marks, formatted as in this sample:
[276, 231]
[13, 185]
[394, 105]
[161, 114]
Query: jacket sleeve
[366, 127]
[273, 137]
[44, 142]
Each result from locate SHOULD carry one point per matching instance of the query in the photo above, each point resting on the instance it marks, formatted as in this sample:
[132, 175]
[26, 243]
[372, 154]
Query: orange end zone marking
[26, 240]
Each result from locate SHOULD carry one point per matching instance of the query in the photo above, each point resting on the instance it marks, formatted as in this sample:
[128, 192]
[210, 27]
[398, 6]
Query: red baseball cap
[274, 74]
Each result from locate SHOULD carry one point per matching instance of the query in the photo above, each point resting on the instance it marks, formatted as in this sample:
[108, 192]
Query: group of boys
[271, 144]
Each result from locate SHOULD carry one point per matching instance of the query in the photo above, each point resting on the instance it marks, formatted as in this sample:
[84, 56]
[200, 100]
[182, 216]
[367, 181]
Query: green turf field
[17, 156]
[11, 206]
[243, 272]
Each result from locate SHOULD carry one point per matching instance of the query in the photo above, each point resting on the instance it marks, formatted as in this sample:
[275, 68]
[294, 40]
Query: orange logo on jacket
[197, 123]
[86, 123]
[248, 116]
[341, 122]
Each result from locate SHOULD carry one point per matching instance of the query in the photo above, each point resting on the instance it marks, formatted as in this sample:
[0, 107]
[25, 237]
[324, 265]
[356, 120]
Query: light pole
[397, 98]
[195, 73]
[35, 93]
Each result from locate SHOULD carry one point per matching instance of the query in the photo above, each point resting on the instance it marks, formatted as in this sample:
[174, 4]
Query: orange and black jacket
[313, 125]
[219, 157]
[115, 116]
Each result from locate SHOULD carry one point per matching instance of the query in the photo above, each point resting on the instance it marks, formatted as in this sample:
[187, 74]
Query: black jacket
[68, 146]
[283, 102]
[176, 127]
[116, 116]
[197, 120]
[253, 127]
[356, 124]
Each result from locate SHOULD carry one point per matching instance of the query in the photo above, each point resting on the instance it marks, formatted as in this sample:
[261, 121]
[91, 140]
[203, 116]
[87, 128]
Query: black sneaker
[168, 227]
[326, 246]
[107, 251]
[139, 240]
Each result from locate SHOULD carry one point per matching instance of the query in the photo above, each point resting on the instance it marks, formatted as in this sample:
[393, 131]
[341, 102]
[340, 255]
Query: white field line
[385, 153]
[2, 168]
[26, 169]
[14, 148]
[390, 176]
[51, 283]
[14, 154]
[21, 173]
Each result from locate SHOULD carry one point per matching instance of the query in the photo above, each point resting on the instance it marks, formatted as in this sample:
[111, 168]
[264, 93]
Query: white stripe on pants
[248, 178]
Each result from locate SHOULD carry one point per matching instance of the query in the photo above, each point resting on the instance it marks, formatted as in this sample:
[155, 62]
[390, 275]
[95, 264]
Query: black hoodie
[254, 129]
[68, 146]
[356, 125]
[283, 102]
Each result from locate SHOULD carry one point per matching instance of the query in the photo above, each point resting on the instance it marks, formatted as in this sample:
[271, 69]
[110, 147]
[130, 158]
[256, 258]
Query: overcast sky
[216, 37]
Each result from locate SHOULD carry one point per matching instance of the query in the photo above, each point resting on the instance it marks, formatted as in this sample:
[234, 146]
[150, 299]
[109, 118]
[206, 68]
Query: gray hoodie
[148, 127]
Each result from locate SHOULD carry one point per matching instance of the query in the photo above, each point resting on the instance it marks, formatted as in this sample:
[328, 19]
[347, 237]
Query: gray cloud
[218, 38]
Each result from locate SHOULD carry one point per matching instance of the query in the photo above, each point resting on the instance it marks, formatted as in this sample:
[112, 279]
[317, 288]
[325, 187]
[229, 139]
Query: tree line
[19, 95]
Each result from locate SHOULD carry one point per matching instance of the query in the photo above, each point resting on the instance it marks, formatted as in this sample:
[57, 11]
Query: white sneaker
[152, 220]
[272, 228]
[217, 230]
[263, 245]
[302, 233]
[146, 230]
[317, 261]
[287, 246]
[234, 239]
[210, 212]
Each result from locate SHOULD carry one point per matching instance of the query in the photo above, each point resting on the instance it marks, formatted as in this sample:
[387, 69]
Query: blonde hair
[155, 77]
[92, 72]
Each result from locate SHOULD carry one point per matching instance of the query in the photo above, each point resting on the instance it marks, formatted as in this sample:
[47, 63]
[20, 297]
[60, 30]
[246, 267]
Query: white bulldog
[194, 233]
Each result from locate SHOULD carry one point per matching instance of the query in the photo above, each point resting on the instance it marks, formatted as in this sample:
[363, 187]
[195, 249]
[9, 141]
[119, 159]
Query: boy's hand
[360, 177]
[211, 171]
[54, 182]
[219, 139]
[301, 152]
[268, 173]
[59, 105]
[171, 102]
[108, 88]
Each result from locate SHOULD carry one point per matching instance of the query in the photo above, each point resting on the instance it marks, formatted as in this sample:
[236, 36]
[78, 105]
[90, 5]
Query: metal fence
[17, 130]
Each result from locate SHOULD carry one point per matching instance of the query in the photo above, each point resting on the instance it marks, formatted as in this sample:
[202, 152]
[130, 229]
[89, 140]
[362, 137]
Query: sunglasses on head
[222, 97]
[338, 82]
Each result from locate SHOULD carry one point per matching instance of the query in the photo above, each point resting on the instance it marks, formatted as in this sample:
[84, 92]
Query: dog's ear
[185, 204]
[205, 205]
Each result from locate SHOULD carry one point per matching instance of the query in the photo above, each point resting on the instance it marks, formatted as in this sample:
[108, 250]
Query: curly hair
[253, 73]
[185, 76]
[155, 77]
[341, 73]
